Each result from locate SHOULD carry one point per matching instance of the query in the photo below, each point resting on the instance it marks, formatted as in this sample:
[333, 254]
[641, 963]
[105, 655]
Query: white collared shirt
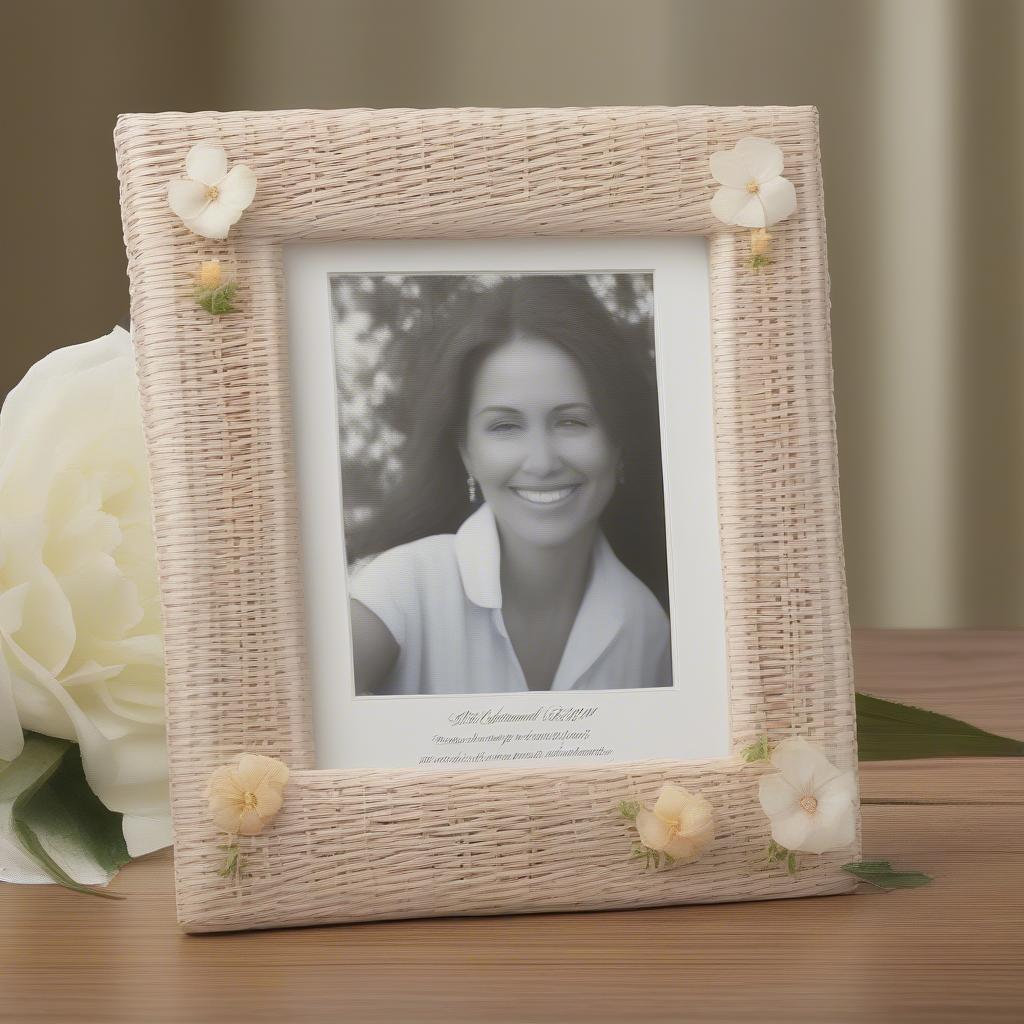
[440, 597]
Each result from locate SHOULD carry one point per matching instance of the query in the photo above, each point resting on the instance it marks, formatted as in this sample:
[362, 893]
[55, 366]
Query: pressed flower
[210, 275]
[753, 194]
[681, 825]
[810, 802]
[246, 795]
[760, 242]
[214, 292]
[211, 198]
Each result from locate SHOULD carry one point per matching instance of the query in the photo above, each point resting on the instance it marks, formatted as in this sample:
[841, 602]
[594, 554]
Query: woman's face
[541, 457]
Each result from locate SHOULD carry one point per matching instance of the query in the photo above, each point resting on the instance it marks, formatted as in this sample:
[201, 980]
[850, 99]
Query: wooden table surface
[949, 952]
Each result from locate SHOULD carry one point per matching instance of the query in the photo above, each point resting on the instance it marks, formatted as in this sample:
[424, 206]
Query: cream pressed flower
[245, 796]
[211, 198]
[753, 194]
[681, 825]
[210, 275]
[760, 242]
[810, 803]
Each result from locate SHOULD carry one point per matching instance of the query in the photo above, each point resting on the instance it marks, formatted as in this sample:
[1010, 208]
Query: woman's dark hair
[618, 366]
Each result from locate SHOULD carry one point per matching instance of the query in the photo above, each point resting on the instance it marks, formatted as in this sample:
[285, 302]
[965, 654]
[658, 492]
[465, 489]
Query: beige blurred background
[922, 124]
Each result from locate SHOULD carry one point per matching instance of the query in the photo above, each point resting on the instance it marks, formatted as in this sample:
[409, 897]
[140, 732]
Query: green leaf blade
[48, 808]
[890, 731]
[881, 874]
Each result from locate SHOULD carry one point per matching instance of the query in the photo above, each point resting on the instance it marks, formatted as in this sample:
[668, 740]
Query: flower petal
[671, 803]
[222, 780]
[268, 800]
[729, 167]
[697, 817]
[762, 159]
[215, 220]
[12, 739]
[145, 835]
[226, 801]
[256, 770]
[186, 198]
[250, 771]
[791, 828]
[206, 162]
[702, 838]
[803, 764]
[250, 823]
[682, 848]
[777, 796]
[654, 833]
[727, 202]
[227, 818]
[778, 196]
[841, 788]
[44, 377]
[830, 829]
[739, 207]
[277, 771]
[751, 215]
[238, 187]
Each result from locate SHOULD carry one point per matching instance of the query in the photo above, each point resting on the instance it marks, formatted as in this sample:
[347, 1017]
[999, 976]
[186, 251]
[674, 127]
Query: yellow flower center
[249, 800]
[212, 192]
[753, 187]
[809, 804]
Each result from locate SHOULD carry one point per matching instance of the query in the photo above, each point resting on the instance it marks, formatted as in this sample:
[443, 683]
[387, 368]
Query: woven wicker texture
[362, 845]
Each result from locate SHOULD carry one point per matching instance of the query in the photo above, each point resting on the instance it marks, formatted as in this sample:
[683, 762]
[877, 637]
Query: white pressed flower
[810, 803]
[211, 198]
[753, 194]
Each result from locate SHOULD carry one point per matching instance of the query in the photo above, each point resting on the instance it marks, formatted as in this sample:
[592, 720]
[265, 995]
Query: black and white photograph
[502, 480]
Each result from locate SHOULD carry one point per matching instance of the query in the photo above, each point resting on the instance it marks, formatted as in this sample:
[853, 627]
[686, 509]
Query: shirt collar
[478, 552]
[602, 612]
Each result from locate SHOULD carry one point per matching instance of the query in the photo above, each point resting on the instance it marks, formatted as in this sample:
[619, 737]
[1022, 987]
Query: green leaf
[759, 751]
[218, 301]
[47, 806]
[234, 863]
[880, 873]
[629, 809]
[889, 731]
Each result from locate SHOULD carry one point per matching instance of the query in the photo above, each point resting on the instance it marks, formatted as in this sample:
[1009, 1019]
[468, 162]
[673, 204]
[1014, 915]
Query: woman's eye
[503, 427]
[570, 421]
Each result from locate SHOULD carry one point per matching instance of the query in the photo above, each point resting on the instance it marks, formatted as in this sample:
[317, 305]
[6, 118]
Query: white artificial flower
[810, 802]
[753, 194]
[81, 656]
[211, 198]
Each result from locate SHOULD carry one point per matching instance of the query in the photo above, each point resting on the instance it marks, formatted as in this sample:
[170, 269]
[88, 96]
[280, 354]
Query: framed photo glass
[428, 551]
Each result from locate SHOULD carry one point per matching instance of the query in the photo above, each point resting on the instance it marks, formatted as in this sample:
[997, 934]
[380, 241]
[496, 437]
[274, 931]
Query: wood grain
[949, 952]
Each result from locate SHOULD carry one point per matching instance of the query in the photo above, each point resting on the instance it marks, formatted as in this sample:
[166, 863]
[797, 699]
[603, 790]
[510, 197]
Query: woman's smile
[546, 496]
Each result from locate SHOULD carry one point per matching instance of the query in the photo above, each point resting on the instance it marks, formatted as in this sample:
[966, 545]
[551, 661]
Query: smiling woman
[504, 509]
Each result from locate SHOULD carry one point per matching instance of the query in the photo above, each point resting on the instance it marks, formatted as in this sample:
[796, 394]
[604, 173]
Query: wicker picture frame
[356, 845]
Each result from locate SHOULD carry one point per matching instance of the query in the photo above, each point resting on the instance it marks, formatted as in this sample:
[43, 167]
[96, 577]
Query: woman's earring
[621, 472]
[471, 484]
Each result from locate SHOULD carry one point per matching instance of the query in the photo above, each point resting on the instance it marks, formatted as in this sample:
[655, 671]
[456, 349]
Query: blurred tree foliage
[386, 331]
